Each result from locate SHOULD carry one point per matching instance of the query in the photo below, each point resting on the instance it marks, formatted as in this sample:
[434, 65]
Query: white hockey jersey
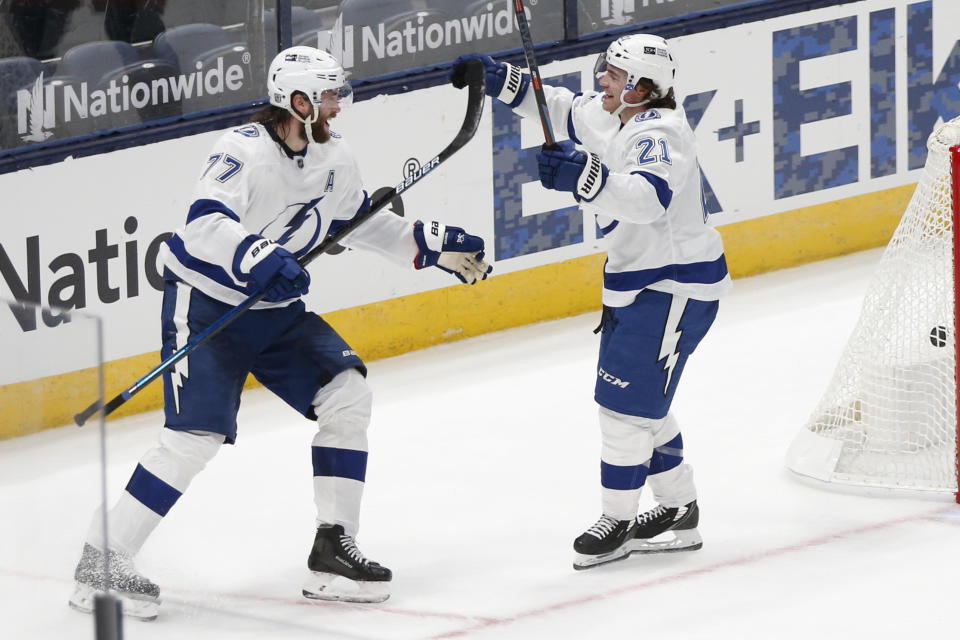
[252, 185]
[651, 209]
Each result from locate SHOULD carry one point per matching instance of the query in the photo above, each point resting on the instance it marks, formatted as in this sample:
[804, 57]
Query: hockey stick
[476, 82]
[531, 57]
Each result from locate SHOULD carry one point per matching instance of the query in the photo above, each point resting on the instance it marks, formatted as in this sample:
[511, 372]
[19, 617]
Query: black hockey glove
[273, 270]
[504, 81]
[566, 169]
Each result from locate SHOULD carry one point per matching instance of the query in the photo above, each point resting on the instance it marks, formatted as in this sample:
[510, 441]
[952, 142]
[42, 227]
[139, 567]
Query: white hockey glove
[451, 249]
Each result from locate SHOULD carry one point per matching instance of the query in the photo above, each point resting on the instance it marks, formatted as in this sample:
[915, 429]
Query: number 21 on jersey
[653, 151]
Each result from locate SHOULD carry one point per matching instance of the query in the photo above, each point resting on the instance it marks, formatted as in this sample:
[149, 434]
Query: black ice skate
[140, 596]
[604, 542]
[666, 529]
[340, 572]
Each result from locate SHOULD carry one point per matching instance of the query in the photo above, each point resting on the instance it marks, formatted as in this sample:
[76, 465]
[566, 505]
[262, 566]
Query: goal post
[955, 201]
[887, 422]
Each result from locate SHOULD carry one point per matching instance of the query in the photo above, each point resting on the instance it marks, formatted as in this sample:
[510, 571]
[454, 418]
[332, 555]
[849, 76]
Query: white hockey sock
[129, 523]
[626, 447]
[343, 409]
[179, 457]
[674, 487]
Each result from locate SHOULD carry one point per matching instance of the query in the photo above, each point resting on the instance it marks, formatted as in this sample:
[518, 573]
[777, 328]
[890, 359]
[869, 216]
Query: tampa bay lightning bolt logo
[297, 228]
[669, 344]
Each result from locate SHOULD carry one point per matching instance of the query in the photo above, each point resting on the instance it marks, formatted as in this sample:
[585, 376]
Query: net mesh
[890, 408]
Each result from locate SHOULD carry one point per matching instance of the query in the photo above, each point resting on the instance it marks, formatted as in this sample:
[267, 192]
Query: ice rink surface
[484, 466]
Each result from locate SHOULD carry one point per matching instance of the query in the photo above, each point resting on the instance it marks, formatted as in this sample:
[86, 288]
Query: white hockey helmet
[309, 71]
[641, 55]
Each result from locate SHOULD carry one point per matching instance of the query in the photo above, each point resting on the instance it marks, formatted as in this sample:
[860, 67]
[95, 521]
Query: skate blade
[668, 542]
[138, 608]
[330, 586]
[582, 561]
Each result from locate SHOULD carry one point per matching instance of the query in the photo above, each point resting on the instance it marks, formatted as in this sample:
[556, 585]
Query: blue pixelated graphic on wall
[513, 166]
[883, 94]
[927, 98]
[795, 173]
[931, 96]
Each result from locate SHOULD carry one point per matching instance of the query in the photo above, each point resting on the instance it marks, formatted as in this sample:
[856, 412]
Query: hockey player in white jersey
[267, 193]
[638, 174]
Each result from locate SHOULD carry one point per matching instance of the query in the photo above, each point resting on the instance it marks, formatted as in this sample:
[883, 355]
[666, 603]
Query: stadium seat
[92, 60]
[107, 63]
[188, 44]
[305, 22]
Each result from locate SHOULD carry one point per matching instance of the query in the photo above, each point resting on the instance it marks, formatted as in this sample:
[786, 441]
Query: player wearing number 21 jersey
[631, 160]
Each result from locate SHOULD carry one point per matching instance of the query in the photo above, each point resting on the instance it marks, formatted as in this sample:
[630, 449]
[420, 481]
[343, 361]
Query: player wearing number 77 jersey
[268, 193]
[638, 174]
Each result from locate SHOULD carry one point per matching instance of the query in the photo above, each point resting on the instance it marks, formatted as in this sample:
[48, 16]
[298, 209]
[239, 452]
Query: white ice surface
[483, 468]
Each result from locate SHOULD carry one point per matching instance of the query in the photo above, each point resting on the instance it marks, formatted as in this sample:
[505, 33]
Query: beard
[319, 129]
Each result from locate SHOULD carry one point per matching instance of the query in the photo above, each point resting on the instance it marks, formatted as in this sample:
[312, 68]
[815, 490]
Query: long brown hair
[666, 102]
[272, 116]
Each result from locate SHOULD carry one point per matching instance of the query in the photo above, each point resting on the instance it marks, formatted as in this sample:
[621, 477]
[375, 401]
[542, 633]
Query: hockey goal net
[888, 419]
